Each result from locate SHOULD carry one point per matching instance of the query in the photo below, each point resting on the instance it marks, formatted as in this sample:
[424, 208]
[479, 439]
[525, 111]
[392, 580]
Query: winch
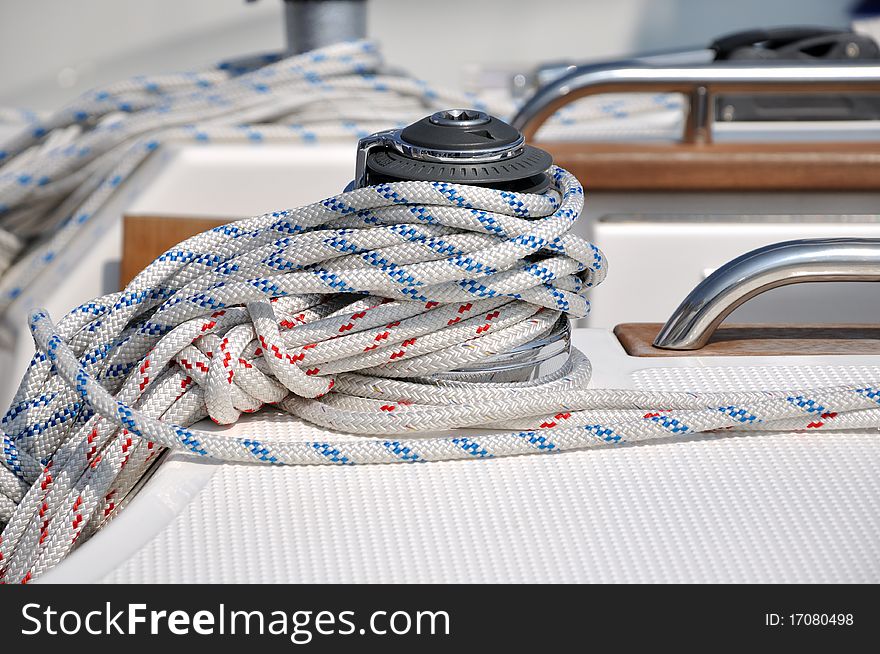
[468, 146]
[458, 146]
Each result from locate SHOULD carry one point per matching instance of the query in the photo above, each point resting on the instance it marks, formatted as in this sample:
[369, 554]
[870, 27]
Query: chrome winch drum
[468, 146]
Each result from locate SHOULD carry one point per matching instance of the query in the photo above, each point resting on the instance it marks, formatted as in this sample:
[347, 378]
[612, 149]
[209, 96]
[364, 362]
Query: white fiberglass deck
[738, 508]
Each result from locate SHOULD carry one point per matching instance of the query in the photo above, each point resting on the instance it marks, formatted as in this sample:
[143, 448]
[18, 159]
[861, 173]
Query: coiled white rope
[339, 312]
[59, 169]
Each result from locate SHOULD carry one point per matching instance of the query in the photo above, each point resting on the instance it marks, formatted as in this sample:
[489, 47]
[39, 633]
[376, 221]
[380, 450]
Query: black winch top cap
[460, 146]
[461, 130]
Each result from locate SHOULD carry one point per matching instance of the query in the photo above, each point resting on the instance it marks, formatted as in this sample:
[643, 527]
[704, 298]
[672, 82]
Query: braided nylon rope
[59, 169]
[339, 312]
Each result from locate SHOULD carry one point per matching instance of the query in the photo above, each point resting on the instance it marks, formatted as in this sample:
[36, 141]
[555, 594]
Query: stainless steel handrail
[780, 264]
[699, 82]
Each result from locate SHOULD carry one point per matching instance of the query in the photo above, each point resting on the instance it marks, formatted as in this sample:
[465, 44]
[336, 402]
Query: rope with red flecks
[345, 313]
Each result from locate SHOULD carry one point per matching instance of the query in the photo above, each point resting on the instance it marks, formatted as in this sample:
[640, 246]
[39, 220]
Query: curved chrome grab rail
[780, 264]
[699, 83]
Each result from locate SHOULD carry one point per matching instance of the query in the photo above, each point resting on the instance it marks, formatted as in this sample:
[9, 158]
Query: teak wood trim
[759, 340]
[731, 167]
[146, 237]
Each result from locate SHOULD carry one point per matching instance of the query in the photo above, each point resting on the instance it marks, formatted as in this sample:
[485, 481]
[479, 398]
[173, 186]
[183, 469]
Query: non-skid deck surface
[758, 508]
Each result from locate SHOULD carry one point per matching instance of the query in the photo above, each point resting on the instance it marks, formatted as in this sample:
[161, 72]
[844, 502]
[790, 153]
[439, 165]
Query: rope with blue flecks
[342, 313]
[61, 169]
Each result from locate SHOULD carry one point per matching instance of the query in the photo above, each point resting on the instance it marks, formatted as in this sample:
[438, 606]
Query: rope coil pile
[341, 312]
[338, 312]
